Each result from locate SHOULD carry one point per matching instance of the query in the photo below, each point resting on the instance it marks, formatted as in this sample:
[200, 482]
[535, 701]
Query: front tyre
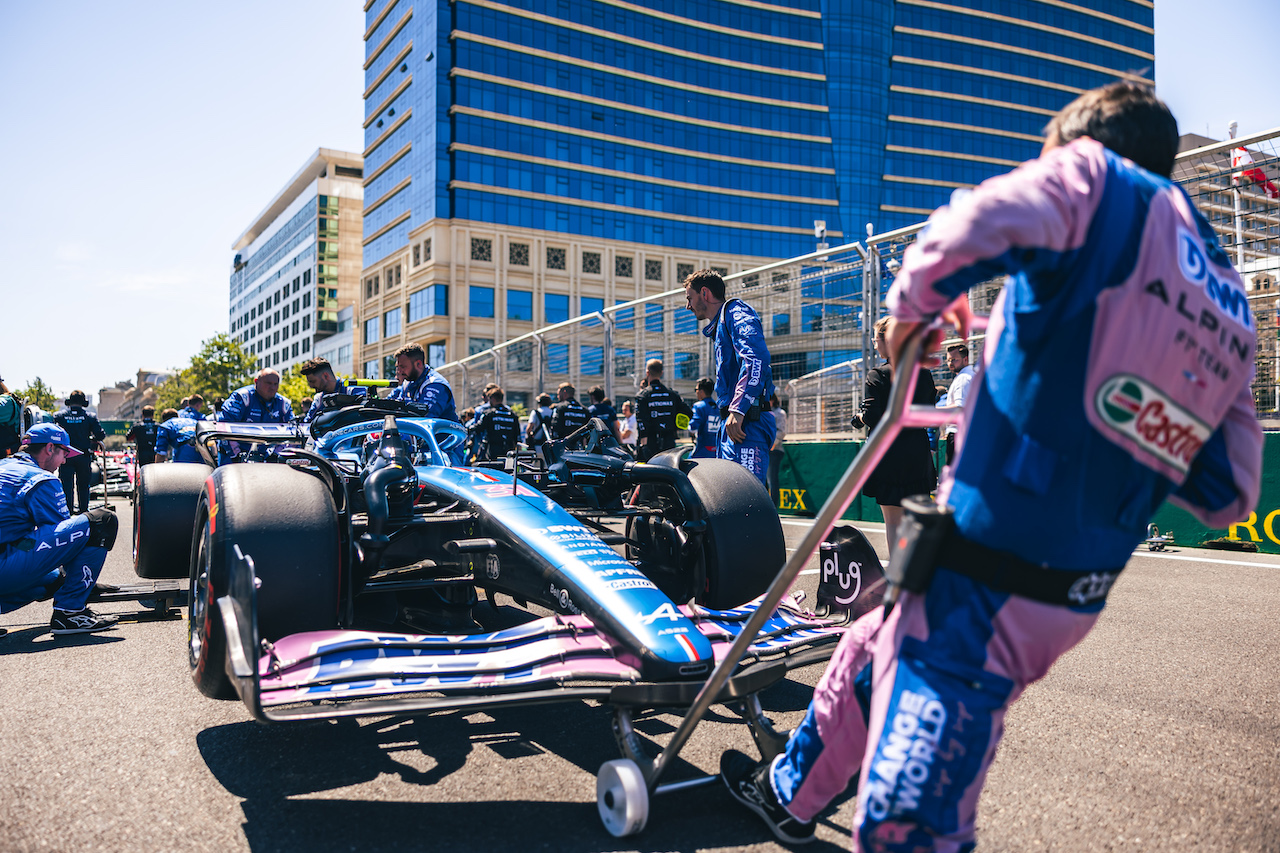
[743, 547]
[286, 521]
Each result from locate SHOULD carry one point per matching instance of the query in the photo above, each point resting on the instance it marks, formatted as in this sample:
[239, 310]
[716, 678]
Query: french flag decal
[687, 645]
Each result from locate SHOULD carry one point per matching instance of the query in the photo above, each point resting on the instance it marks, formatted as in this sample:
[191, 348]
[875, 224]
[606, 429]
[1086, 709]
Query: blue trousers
[25, 574]
[752, 454]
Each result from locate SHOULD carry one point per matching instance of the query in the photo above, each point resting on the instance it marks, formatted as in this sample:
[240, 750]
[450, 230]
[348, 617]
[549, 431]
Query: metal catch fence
[818, 309]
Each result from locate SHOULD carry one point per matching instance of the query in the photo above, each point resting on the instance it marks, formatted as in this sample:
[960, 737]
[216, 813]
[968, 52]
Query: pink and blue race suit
[1116, 375]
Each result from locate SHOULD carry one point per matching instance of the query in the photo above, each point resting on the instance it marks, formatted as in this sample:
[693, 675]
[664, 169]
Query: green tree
[39, 394]
[220, 367]
[293, 387]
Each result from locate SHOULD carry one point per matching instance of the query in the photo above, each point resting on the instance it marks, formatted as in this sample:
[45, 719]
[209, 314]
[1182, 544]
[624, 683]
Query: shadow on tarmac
[38, 639]
[276, 770]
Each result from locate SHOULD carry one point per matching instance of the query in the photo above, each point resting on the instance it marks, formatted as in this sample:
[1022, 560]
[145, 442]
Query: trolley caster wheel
[622, 797]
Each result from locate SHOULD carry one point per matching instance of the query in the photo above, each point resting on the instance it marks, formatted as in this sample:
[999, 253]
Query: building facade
[338, 349]
[569, 137]
[298, 262]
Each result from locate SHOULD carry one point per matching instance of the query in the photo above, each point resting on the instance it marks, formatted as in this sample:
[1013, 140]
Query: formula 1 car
[336, 575]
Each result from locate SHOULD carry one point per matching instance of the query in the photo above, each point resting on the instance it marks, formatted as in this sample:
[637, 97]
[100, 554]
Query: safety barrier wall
[811, 470]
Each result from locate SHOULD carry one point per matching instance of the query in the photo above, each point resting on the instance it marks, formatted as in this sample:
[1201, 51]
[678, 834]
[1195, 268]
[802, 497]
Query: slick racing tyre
[286, 522]
[164, 512]
[743, 548]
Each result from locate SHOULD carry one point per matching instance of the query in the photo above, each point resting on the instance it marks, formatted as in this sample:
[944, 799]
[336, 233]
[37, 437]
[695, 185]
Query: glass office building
[553, 146]
[298, 261]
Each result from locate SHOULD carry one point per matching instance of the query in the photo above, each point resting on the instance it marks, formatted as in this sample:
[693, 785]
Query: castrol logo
[1139, 411]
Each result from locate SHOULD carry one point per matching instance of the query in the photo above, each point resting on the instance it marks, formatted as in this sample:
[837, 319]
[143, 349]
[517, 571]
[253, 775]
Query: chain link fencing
[817, 311]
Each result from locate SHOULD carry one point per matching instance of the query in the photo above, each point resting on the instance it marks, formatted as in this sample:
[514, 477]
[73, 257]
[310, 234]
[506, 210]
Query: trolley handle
[899, 415]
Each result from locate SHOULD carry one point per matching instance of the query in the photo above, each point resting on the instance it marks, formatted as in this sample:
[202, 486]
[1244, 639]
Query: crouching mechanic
[45, 552]
[1101, 247]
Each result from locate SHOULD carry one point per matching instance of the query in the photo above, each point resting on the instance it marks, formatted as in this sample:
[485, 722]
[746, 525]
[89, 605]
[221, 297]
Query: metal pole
[540, 358]
[1235, 195]
[607, 319]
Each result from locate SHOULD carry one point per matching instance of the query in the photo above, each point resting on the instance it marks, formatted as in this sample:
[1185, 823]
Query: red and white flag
[1240, 158]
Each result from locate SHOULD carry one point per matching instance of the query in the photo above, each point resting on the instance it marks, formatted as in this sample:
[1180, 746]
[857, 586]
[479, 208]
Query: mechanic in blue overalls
[86, 435]
[744, 378]
[705, 423]
[45, 552]
[174, 438]
[259, 403]
[321, 378]
[194, 409]
[422, 384]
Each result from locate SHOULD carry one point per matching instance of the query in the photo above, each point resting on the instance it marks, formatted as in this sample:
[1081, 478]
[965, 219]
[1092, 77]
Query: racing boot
[749, 784]
[83, 621]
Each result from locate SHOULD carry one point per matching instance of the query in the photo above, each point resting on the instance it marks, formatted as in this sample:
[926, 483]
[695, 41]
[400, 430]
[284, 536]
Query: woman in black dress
[907, 467]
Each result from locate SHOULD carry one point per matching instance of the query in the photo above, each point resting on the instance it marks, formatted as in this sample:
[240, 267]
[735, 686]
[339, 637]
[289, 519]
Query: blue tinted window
[391, 323]
[624, 362]
[520, 305]
[781, 324]
[431, 301]
[652, 317]
[591, 361]
[626, 318]
[558, 358]
[556, 306]
[687, 365]
[371, 329]
[590, 305]
[481, 301]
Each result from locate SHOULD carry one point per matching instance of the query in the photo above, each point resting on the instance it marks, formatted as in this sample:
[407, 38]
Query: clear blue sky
[139, 139]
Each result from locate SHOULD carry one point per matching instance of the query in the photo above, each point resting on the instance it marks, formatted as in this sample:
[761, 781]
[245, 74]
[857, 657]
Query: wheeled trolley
[624, 786]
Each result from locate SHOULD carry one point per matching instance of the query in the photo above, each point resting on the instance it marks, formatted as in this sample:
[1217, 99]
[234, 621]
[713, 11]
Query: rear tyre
[164, 512]
[286, 521]
[743, 547]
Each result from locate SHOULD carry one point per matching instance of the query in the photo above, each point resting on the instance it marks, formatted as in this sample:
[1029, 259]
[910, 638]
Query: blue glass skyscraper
[595, 148]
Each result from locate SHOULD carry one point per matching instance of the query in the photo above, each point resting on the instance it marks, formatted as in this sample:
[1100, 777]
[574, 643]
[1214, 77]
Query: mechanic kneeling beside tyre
[45, 552]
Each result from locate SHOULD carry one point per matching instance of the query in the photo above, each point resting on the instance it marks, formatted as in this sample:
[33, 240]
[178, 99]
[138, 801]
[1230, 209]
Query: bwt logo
[848, 580]
[1195, 266]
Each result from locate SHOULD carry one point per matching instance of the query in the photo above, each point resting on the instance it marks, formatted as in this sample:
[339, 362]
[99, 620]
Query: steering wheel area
[588, 438]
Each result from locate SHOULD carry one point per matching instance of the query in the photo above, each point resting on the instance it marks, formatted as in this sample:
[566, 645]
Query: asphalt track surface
[1161, 731]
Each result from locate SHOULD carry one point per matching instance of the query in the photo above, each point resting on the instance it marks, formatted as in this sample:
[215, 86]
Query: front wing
[339, 673]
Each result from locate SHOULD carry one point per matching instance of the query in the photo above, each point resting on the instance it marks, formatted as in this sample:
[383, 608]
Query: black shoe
[79, 622]
[748, 782]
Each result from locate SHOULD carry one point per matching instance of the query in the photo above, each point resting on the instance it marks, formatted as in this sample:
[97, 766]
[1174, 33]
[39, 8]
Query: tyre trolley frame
[624, 785]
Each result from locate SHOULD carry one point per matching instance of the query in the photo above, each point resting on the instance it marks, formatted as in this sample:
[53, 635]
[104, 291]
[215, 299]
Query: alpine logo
[1143, 413]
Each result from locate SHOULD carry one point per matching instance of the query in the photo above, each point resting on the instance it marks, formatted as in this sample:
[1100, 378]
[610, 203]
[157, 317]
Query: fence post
[607, 319]
[870, 309]
[540, 357]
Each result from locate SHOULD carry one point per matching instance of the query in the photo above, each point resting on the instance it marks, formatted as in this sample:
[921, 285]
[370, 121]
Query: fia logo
[852, 579]
[492, 568]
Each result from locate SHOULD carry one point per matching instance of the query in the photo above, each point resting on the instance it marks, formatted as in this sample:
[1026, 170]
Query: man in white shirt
[957, 363]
